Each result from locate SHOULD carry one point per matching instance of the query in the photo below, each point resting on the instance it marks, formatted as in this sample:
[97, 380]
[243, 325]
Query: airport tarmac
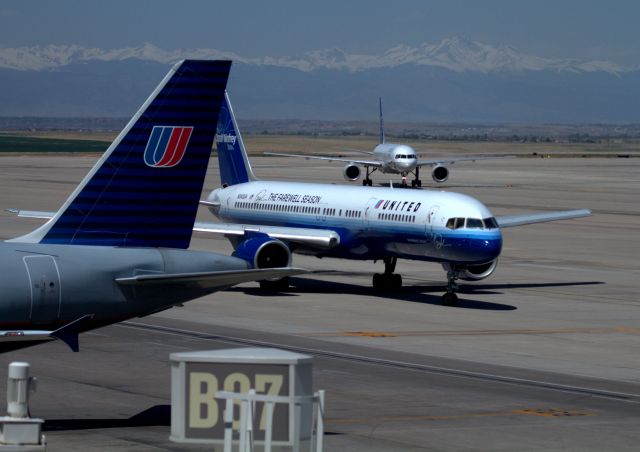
[542, 355]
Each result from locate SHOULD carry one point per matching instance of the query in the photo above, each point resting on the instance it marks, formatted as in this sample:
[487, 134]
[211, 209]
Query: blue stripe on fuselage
[382, 238]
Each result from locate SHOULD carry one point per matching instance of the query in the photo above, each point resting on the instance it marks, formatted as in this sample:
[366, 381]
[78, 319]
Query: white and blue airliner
[350, 222]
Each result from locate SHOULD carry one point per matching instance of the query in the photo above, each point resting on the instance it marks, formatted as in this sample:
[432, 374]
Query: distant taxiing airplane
[348, 222]
[392, 158]
[116, 249]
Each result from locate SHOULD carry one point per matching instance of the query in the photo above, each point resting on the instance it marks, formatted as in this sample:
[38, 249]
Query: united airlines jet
[393, 158]
[350, 222]
[117, 248]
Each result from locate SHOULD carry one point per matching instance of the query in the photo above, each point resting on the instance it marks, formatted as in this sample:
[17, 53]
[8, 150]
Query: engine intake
[440, 174]
[351, 172]
[264, 252]
[474, 272]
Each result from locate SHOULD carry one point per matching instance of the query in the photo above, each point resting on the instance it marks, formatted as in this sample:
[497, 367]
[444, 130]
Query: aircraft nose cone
[485, 249]
[492, 247]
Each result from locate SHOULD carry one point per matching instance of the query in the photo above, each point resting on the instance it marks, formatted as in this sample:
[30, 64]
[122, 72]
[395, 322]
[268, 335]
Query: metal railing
[247, 419]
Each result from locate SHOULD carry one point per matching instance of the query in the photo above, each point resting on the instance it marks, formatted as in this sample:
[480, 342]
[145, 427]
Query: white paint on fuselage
[404, 223]
[396, 158]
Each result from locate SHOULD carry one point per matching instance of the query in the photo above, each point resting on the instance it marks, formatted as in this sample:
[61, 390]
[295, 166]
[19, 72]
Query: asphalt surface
[543, 355]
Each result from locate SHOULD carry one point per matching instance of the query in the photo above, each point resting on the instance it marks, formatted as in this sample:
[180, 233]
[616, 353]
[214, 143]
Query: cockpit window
[455, 223]
[474, 223]
[490, 223]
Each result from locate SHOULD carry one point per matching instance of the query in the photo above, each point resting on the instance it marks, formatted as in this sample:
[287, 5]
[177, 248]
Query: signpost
[197, 416]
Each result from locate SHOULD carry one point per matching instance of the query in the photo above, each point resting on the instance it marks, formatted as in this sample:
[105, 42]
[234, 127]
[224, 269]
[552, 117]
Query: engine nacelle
[440, 174]
[263, 252]
[474, 272]
[351, 172]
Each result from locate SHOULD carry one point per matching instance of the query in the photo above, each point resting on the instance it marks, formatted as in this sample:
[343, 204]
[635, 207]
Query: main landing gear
[416, 182]
[278, 285]
[367, 180]
[388, 280]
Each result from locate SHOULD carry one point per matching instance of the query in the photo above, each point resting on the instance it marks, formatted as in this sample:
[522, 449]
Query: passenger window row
[397, 217]
[279, 207]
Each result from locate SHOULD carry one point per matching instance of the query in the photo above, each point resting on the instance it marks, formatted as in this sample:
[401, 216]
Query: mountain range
[454, 80]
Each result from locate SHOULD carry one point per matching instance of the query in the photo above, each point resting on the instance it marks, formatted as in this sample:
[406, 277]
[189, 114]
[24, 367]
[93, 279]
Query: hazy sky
[586, 29]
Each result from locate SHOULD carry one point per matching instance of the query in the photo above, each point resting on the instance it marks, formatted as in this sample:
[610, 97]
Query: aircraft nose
[486, 248]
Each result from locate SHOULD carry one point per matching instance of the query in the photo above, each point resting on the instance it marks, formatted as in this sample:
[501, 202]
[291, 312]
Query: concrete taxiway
[543, 355]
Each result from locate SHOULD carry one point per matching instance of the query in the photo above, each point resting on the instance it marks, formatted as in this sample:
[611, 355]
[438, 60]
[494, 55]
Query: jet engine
[440, 173]
[351, 172]
[474, 272]
[261, 251]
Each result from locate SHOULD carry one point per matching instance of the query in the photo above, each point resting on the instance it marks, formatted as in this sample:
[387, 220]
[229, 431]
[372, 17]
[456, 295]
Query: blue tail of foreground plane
[232, 156]
[144, 191]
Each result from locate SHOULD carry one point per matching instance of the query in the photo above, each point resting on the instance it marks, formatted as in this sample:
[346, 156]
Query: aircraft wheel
[279, 285]
[450, 299]
[419, 183]
[378, 281]
[365, 183]
[396, 280]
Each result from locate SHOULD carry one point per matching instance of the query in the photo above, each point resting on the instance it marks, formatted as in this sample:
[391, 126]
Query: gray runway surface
[543, 355]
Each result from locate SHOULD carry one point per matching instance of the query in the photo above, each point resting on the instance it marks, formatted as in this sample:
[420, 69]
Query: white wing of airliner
[376, 163]
[316, 238]
[509, 221]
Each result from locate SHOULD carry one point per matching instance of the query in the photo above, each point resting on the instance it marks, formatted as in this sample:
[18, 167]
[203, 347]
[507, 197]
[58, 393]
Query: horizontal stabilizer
[318, 238]
[510, 221]
[15, 339]
[32, 213]
[210, 280]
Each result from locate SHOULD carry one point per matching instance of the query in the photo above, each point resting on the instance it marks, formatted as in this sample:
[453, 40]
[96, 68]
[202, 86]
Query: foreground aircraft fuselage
[49, 286]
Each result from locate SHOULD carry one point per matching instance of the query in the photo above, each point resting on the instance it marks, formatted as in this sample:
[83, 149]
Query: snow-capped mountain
[454, 54]
[454, 80]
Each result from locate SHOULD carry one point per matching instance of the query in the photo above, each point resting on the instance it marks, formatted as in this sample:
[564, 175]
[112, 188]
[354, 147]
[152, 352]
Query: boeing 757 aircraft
[116, 249]
[392, 158]
[452, 229]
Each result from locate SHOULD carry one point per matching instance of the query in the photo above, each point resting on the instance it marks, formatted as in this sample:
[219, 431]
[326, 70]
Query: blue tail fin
[232, 156]
[144, 191]
[381, 122]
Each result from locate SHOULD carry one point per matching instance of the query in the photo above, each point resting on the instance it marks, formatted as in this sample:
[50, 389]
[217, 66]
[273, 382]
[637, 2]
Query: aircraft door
[430, 232]
[369, 212]
[44, 281]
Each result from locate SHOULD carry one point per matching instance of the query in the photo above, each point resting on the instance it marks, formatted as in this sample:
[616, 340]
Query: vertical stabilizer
[381, 121]
[144, 191]
[232, 156]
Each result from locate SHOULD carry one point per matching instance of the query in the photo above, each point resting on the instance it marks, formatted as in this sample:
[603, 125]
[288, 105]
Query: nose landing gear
[450, 298]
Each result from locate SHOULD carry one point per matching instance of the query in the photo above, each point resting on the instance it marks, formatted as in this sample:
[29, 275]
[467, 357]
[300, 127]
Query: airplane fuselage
[372, 223]
[48, 286]
[396, 158]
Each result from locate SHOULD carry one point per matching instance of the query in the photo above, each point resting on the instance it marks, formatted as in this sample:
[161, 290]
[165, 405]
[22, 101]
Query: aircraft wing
[375, 163]
[510, 221]
[209, 280]
[317, 238]
[451, 161]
